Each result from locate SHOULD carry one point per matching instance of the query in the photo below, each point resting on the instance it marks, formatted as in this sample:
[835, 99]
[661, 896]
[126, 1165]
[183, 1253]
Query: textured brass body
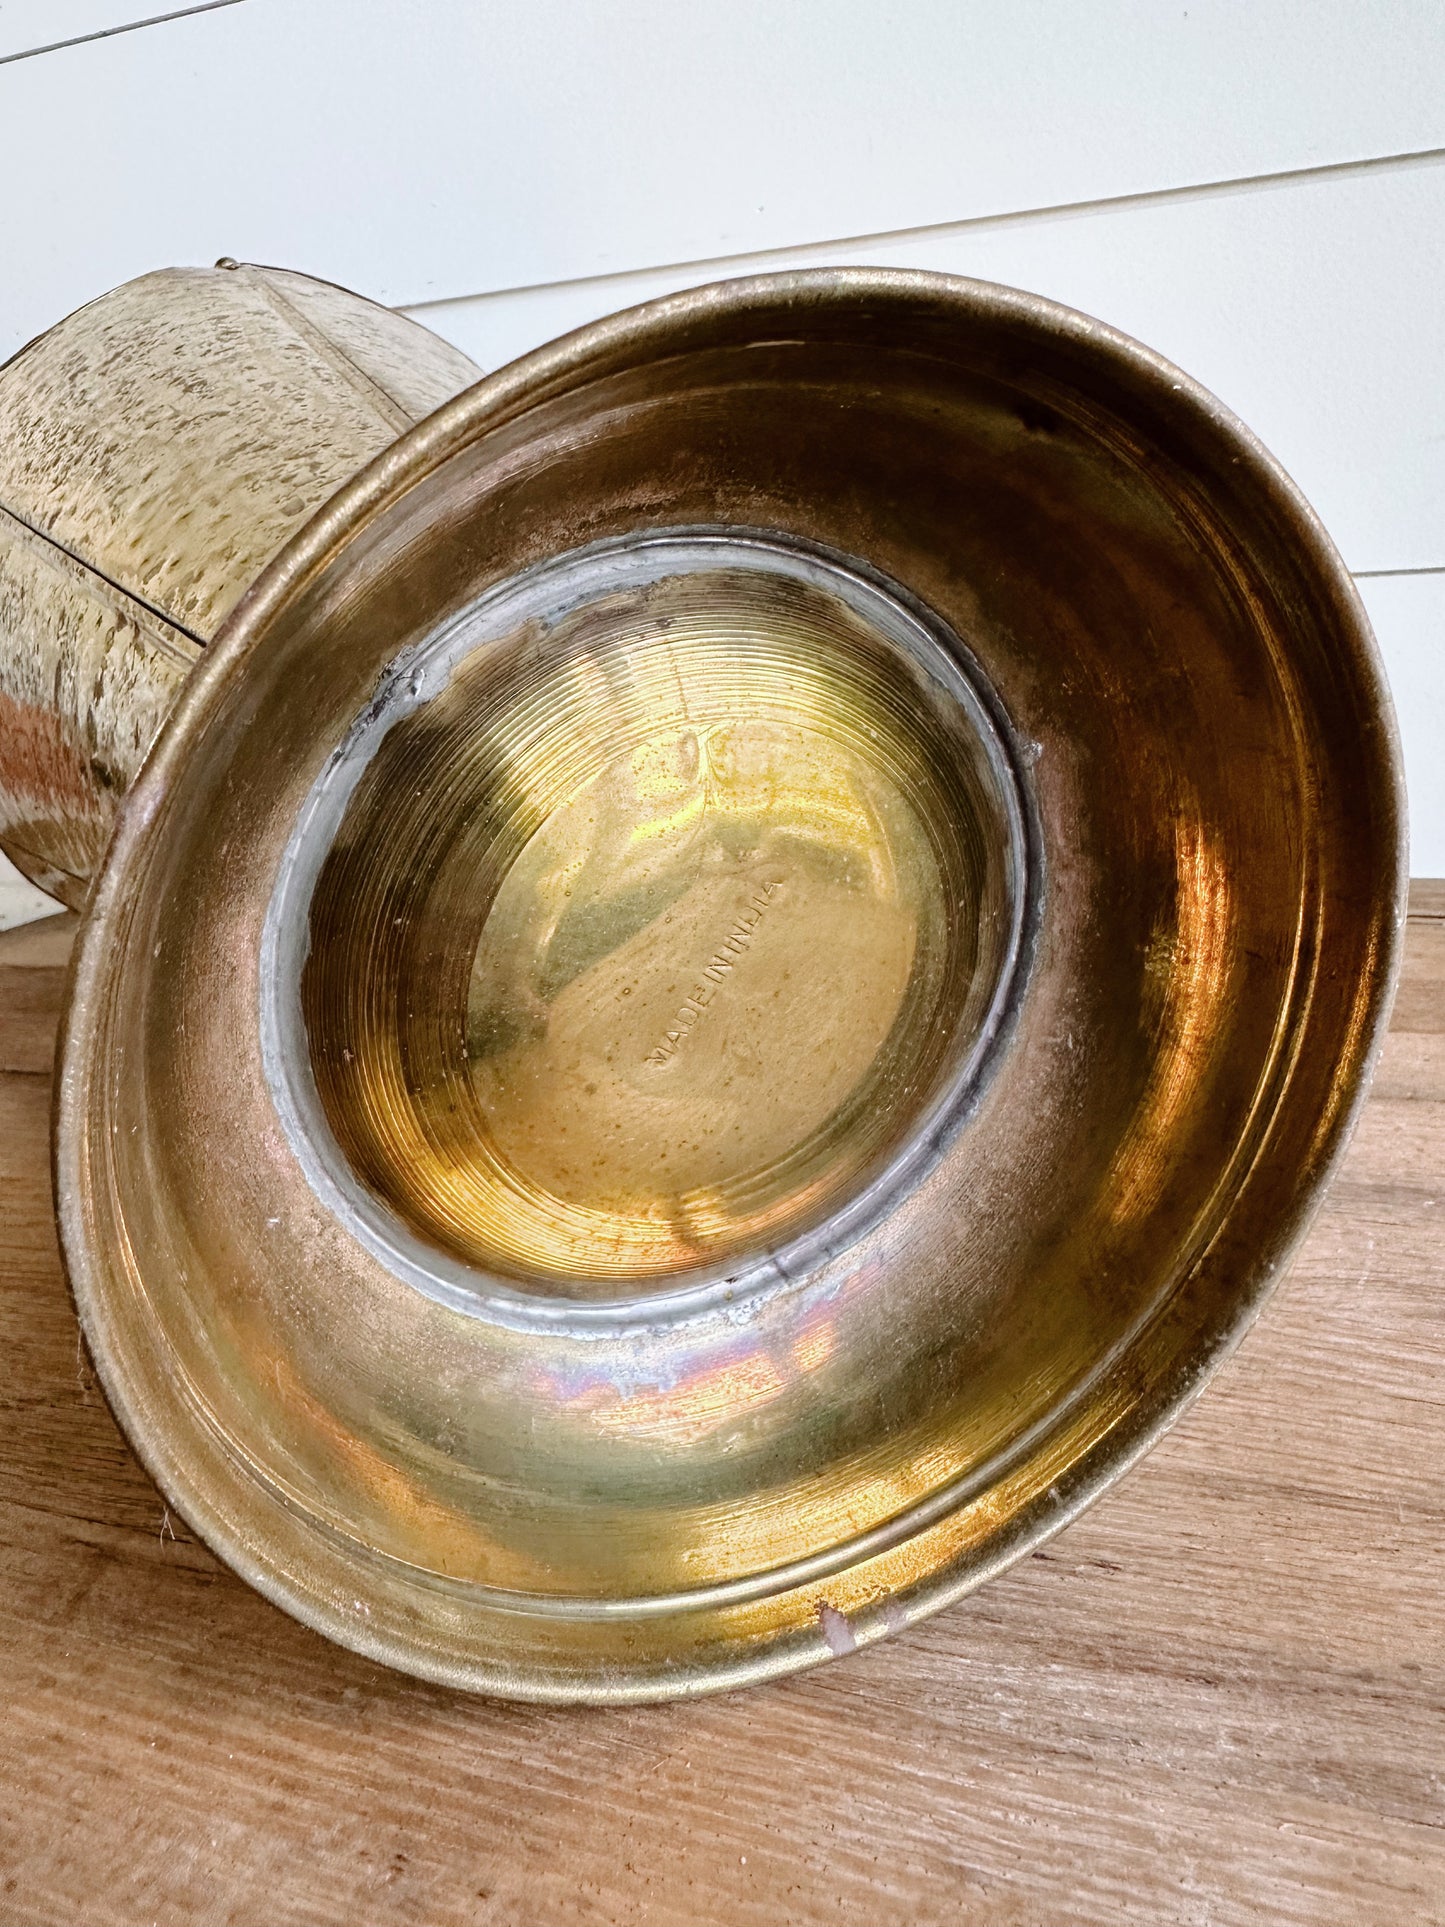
[1074, 917]
[156, 449]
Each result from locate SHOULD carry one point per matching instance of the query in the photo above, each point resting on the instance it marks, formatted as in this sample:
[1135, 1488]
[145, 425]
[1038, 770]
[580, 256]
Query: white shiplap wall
[1256, 187]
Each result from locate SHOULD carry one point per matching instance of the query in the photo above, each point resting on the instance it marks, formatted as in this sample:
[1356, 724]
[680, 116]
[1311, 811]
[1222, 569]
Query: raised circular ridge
[689, 851]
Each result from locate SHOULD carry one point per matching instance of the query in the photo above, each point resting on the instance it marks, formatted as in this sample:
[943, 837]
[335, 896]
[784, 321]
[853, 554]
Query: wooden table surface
[1219, 1697]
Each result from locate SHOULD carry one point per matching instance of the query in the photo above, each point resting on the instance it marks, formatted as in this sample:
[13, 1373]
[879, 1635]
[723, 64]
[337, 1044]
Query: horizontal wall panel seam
[971, 224]
[109, 33]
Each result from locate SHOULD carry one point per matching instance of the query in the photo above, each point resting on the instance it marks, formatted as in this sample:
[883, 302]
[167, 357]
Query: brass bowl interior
[408, 1336]
[671, 916]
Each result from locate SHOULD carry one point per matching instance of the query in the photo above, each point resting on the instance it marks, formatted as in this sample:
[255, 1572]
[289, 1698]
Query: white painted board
[1313, 308]
[21, 902]
[421, 148]
[1408, 615]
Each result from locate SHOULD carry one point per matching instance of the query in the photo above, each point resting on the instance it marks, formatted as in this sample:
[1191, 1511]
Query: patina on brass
[728, 985]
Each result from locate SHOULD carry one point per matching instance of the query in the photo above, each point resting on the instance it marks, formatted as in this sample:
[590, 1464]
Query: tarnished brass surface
[728, 985]
[156, 449]
[637, 951]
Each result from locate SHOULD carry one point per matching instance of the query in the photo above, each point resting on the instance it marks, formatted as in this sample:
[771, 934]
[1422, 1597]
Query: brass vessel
[729, 981]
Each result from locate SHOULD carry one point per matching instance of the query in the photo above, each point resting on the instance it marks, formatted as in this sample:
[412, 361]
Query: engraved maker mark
[714, 973]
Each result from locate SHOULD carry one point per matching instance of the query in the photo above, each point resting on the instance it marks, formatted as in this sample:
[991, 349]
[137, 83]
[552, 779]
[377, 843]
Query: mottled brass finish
[637, 951]
[1038, 820]
[156, 449]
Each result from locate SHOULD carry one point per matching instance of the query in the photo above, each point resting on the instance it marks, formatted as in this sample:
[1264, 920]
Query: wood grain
[1218, 1698]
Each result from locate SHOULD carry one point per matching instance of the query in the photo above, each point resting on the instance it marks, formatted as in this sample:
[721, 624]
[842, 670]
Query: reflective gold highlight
[650, 935]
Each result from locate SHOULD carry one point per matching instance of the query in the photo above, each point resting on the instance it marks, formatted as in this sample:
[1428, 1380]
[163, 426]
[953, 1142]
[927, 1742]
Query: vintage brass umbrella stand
[718, 969]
